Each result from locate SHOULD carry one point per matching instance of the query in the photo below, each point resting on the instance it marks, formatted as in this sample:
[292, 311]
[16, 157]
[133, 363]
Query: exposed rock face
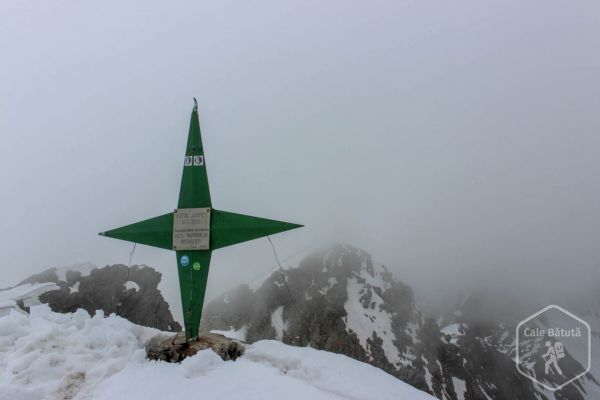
[131, 293]
[342, 302]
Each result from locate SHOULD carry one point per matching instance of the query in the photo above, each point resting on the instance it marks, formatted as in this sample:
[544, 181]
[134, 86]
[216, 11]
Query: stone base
[175, 349]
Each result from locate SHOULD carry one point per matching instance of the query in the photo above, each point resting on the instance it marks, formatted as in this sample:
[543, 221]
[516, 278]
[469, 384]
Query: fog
[456, 142]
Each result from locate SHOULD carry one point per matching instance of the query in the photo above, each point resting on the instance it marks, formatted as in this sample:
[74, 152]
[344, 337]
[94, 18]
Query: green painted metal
[226, 229]
[192, 285]
[157, 232]
[194, 191]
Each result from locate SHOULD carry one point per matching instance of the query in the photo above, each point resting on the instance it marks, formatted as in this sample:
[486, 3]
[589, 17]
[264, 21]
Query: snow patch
[132, 285]
[54, 356]
[460, 388]
[376, 279]
[74, 288]
[455, 331]
[47, 355]
[366, 321]
[330, 372]
[330, 283]
[487, 396]
[28, 294]
[428, 376]
[277, 322]
[232, 333]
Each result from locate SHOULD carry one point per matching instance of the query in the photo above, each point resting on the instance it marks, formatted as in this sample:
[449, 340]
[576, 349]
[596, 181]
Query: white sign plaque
[191, 229]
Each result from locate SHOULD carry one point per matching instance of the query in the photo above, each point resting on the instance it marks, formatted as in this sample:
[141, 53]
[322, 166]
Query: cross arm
[157, 232]
[227, 228]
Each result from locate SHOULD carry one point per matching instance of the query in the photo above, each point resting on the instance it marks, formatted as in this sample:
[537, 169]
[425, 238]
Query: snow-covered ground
[28, 294]
[46, 355]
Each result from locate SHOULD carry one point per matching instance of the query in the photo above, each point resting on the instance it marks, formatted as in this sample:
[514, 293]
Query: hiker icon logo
[543, 344]
[552, 356]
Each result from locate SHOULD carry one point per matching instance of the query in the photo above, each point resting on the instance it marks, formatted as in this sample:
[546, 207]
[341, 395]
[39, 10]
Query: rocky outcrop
[131, 293]
[340, 301]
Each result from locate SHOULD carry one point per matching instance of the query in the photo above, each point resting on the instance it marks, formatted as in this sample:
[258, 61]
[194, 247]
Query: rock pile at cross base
[176, 348]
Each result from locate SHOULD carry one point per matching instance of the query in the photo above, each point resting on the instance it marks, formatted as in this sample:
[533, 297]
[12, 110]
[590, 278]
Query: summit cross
[195, 229]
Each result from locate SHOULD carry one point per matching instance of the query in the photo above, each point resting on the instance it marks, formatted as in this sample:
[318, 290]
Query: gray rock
[131, 293]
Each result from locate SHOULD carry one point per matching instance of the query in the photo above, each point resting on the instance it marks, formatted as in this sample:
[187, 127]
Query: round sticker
[185, 261]
[196, 266]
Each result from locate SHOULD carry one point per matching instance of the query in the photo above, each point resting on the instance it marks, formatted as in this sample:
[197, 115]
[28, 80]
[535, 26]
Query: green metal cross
[195, 229]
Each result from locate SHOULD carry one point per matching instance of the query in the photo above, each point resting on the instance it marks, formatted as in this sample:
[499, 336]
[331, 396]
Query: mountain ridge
[341, 301]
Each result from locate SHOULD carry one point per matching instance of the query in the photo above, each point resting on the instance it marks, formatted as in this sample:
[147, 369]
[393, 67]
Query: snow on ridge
[85, 269]
[55, 356]
[454, 331]
[341, 377]
[460, 388]
[47, 355]
[331, 282]
[277, 322]
[28, 293]
[232, 333]
[366, 321]
[374, 279]
[428, 375]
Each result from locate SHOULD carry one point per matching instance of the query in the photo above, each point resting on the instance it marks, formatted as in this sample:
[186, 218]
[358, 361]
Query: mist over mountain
[339, 300]
[450, 149]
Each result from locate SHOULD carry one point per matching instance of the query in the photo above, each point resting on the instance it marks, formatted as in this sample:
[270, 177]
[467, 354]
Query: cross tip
[195, 104]
[102, 234]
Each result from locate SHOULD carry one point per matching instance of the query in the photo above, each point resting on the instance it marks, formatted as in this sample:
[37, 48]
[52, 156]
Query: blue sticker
[185, 261]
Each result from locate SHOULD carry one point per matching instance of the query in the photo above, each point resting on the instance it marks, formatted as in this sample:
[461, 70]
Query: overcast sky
[449, 139]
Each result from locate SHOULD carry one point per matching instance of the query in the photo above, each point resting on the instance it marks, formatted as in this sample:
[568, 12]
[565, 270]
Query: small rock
[176, 348]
